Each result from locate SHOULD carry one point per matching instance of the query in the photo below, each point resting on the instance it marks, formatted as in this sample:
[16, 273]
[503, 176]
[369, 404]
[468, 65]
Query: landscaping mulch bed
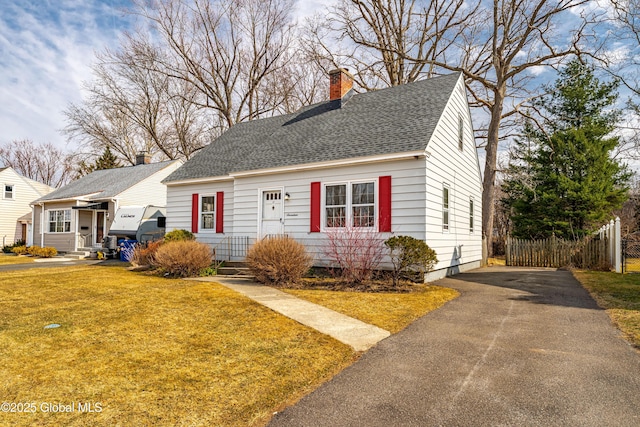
[331, 284]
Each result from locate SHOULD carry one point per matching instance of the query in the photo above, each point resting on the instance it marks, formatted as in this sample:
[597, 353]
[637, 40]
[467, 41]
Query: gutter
[308, 166]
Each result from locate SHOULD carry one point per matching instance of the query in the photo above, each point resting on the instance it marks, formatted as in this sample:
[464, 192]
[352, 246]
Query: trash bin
[126, 249]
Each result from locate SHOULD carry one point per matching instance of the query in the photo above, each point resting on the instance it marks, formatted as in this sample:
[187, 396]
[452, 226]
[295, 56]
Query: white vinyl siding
[150, 191]
[461, 171]
[417, 190]
[24, 191]
[179, 205]
[242, 199]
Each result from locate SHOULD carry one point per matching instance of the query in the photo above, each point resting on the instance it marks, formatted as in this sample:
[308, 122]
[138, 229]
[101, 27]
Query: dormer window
[8, 191]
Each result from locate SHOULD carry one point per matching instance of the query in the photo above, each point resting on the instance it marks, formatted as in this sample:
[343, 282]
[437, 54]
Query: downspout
[30, 235]
[42, 224]
[76, 219]
[115, 210]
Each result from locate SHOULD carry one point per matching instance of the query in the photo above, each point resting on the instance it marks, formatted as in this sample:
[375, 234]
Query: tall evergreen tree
[106, 161]
[562, 179]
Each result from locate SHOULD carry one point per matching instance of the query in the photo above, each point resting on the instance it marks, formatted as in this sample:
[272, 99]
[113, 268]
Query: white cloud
[537, 70]
[307, 8]
[47, 48]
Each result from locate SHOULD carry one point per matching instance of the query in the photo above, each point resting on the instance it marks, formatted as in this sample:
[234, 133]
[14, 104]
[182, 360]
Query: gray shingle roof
[393, 120]
[107, 182]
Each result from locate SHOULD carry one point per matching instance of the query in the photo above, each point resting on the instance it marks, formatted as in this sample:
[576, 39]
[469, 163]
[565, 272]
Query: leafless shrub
[183, 259]
[278, 260]
[145, 254]
[355, 253]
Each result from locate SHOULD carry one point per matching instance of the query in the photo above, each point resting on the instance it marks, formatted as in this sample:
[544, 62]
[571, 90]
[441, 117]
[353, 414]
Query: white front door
[272, 218]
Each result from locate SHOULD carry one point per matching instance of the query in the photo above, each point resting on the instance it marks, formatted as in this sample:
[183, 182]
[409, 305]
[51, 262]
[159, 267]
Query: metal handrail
[82, 240]
[231, 246]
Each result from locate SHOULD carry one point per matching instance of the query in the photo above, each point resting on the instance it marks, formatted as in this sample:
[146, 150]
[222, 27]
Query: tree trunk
[488, 183]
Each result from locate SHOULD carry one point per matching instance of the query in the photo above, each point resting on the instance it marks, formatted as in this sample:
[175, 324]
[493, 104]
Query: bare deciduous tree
[226, 49]
[497, 45]
[131, 107]
[498, 63]
[624, 62]
[621, 61]
[41, 162]
[388, 43]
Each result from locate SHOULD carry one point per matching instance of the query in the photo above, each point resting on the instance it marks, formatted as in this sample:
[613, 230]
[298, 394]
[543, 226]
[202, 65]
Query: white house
[397, 161]
[77, 216]
[15, 209]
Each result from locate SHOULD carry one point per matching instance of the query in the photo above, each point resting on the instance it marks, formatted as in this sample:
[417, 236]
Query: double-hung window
[363, 204]
[336, 205]
[8, 191]
[445, 208]
[350, 204]
[60, 221]
[470, 215]
[207, 212]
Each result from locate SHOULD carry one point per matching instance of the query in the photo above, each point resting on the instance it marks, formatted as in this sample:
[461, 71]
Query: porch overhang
[97, 206]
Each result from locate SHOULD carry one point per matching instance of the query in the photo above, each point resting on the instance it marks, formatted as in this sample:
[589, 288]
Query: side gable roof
[400, 119]
[38, 188]
[106, 183]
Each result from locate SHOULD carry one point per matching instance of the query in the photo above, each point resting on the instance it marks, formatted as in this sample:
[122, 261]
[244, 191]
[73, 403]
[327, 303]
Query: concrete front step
[233, 271]
[234, 268]
[240, 264]
[77, 254]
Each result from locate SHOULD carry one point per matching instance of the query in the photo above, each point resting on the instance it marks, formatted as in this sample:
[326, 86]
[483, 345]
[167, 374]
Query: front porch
[91, 226]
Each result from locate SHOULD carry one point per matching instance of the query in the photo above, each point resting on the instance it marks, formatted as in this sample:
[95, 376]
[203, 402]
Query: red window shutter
[315, 207]
[384, 204]
[220, 212]
[195, 214]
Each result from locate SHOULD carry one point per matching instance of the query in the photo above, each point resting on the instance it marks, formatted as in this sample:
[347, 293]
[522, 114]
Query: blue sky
[46, 50]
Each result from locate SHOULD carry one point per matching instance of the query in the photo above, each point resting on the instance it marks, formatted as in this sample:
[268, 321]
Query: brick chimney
[143, 158]
[340, 83]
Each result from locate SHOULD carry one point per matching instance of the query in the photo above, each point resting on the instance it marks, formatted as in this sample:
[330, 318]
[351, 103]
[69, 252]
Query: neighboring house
[79, 215]
[15, 210]
[397, 161]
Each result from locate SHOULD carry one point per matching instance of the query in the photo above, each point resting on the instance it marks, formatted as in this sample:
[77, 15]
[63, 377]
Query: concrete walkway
[519, 347]
[359, 335]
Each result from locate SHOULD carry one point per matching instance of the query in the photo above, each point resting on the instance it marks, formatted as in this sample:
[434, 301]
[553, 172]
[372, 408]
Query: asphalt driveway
[519, 347]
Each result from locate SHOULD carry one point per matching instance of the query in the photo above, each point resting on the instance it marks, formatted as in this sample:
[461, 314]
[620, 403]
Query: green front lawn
[619, 294]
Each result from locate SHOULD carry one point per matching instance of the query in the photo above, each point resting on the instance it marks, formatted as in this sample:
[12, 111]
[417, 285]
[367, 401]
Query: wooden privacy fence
[591, 253]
